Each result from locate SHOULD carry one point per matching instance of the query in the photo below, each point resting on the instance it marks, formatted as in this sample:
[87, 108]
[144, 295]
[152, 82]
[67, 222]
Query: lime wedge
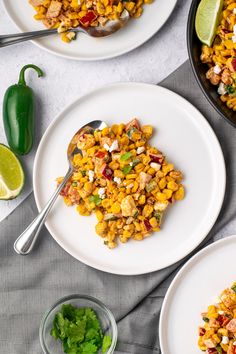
[207, 20]
[11, 174]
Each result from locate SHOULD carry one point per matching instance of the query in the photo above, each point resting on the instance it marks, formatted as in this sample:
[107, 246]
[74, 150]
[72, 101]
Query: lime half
[11, 174]
[207, 20]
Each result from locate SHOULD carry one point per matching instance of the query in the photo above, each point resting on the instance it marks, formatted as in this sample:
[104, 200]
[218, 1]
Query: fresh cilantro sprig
[79, 330]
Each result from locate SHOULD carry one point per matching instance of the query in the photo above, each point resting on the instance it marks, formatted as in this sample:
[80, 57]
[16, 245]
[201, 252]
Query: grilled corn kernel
[161, 197]
[101, 228]
[153, 222]
[115, 208]
[99, 215]
[142, 200]
[179, 194]
[147, 210]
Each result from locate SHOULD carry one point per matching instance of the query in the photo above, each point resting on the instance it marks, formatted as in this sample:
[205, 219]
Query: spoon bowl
[26, 241]
[99, 31]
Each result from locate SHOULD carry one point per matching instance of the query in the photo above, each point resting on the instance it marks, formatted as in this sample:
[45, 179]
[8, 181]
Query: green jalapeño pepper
[18, 113]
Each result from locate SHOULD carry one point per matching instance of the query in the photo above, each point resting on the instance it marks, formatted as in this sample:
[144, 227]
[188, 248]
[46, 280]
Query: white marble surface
[65, 80]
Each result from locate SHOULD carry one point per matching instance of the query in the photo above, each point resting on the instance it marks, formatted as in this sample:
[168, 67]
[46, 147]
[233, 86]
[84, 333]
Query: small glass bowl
[106, 318]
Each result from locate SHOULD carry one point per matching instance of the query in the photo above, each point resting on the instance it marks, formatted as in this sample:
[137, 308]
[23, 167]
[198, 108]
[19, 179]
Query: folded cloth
[30, 285]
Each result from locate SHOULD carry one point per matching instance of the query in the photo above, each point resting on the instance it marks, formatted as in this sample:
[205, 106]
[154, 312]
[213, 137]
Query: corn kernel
[147, 210]
[115, 208]
[153, 222]
[179, 194]
[161, 197]
[142, 200]
[99, 215]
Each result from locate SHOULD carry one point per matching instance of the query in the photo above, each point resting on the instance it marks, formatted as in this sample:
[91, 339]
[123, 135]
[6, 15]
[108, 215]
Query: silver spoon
[25, 242]
[99, 31]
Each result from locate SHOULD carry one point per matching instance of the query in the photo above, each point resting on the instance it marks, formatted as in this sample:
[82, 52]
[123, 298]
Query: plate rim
[89, 59]
[178, 276]
[60, 116]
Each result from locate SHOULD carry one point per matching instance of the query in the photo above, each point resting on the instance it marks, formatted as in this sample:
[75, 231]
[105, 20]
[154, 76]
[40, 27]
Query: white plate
[194, 288]
[85, 48]
[182, 134]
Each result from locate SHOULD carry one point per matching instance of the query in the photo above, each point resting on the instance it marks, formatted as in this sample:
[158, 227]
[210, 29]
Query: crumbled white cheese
[71, 35]
[140, 150]
[129, 220]
[234, 29]
[156, 166]
[106, 146]
[225, 340]
[89, 4]
[114, 146]
[115, 156]
[102, 193]
[234, 343]
[220, 312]
[217, 69]
[234, 39]
[160, 206]
[234, 11]
[221, 89]
[91, 175]
[62, 28]
[117, 180]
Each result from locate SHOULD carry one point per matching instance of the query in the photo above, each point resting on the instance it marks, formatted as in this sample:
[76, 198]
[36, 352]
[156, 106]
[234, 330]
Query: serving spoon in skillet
[25, 242]
[98, 31]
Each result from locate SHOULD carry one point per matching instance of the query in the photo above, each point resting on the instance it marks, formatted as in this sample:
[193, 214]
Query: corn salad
[125, 181]
[221, 56]
[218, 334]
[68, 14]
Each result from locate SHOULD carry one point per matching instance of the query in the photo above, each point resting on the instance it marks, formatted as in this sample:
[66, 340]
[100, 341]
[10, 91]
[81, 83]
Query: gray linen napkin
[29, 285]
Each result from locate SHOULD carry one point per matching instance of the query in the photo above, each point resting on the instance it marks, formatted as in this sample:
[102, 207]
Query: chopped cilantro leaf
[234, 288]
[127, 169]
[135, 163]
[158, 215]
[205, 319]
[126, 156]
[230, 89]
[95, 199]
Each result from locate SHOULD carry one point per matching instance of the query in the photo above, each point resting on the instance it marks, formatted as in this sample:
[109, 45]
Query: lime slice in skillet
[11, 174]
[207, 20]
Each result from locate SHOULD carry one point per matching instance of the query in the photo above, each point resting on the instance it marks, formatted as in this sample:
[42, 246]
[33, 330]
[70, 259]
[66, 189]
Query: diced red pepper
[100, 154]
[156, 158]
[107, 172]
[201, 331]
[65, 190]
[233, 62]
[147, 225]
[223, 320]
[132, 124]
[211, 351]
[88, 18]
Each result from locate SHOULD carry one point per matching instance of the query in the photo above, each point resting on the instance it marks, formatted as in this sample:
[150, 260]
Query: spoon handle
[25, 242]
[10, 39]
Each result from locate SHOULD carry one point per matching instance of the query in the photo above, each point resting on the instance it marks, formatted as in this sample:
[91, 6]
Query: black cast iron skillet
[200, 69]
